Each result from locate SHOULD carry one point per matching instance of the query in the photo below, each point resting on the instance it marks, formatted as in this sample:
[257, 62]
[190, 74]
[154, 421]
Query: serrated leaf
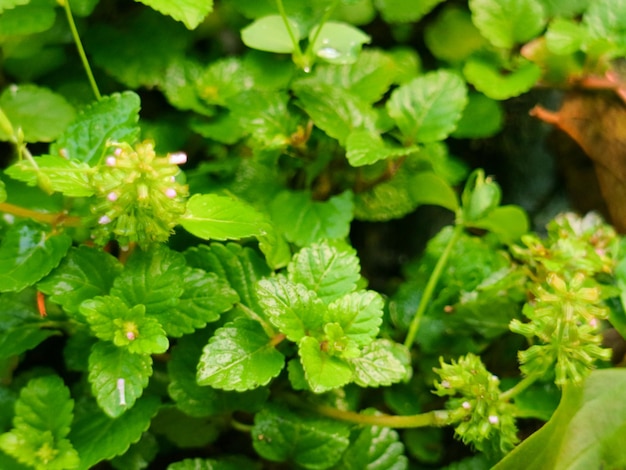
[379, 365]
[41, 114]
[153, 278]
[322, 370]
[240, 356]
[84, 273]
[305, 221]
[280, 435]
[111, 319]
[337, 43]
[374, 448]
[223, 79]
[190, 12]
[98, 437]
[117, 377]
[228, 463]
[111, 119]
[43, 414]
[214, 217]
[292, 308]
[452, 36]
[506, 23]
[334, 110]
[360, 314]
[488, 79]
[35, 17]
[28, 253]
[271, 34]
[428, 188]
[482, 117]
[180, 85]
[366, 147]
[53, 174]
[139, 455]
[428, 108]
[404, 11]
[325, 270]
[584, 432]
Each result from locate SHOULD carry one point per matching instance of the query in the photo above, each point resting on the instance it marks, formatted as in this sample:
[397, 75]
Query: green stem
[325, 18]
[294, 40]
[518, 388]
[81, 50]
[430, 286]
[51, 219]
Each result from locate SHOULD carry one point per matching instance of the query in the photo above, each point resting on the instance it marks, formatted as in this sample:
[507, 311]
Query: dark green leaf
[482, 117]
[19, 339]
[240, 356]
[117, 377]
[139, 455]
[271, 34]
[452, 36]
[428, 188]
[32, 17]
[280, 435]
[322, 370]
[190, 12]
[112, 119]
[183, 430]
[228, 463]
[223, 79]
[27, 254]
[404, 11]
[180, 86]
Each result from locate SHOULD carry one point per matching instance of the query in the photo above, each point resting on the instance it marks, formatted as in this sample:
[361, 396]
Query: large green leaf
[586, 431]
[603, 21]
[22, 338]
[27, 254]
[337, 43]
[428, 188]
[280, 435]
[452, 36]
[240, 356]
[323, 371]
[34, 16]
[428, 108]
[111, 119]
[271, 34]
[41, 114]
[190, 12]
[404, 11]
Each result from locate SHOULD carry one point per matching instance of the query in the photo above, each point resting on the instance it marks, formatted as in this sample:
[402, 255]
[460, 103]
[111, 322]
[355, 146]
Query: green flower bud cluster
[484, 420]
[138, 196]
[565, 316]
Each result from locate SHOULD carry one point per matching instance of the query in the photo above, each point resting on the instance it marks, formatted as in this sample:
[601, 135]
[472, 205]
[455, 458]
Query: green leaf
[10, 4]
[428, 108]
[490, 80]
[3, 192]
[112, 320]
[509, 223]
[603, 23]
[22, 338]
[428, 188]
[214, 217]
[98, 437]
[117, 377]
[41, 114]
[565, 36]
[584, 432]
[292, 308]
[374, 448]
[325, 270]
[305, 221]
[280, 435]
[43, 414]
[28, 253]
[229, 463]
[506, 23]
[271, 34]
[111, 119]
[452, 36]
[379, 364]
[190, 12]
[337, 43]
[34, 17]
[223, 79]
[365, 147]
[404, 11]
[139, 455]
[180, 85]
[53, 173]
[482, 117]
[182, 430]
[565, 8]
[334, 110]
[153, 278]
[322, 370]
[360, 314]
[240, 356]
[83, 274]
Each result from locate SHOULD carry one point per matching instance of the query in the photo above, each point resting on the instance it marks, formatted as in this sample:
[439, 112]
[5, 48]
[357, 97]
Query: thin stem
[51, 219]
[81, 50]
[325, 18]
[430, 286]
[518, 388]
[239, 426]
[294, 40]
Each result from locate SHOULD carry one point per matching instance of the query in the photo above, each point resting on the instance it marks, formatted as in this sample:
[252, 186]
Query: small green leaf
[223, 79]
[509, 223]
[235, 463]
[83, 274]
[379, 364]
[58, 174]
[28, 253]
[603, 23]
[117, 377]
[292, 308]
[488, 78]
[112, 320]
[43, 414]
[280, 435]
[404, 11]
[482, 117]
[428, 188]
[452, 36]
[271, 34]
[214, 217]
[190, 12]
[428, 108]
[305, 221]
[41, 114]
[325, 270]
[139, 455]
[240, 356]
[36, 16]
[585, 431]
[182, 430]
[360, 314]
[10, 4]
[337, 43]
[180, 85]
[322, 370]
[365, 147]
[565, 36]
[111, 119]
[98, 437]
[508, 22]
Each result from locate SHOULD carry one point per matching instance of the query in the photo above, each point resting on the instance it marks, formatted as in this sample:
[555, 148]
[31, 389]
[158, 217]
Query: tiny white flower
[493, 419]
[170, 192]
[130, 335]
[177, 158]
[118, 151]
[105, 219]
[111, 160]
[112, 196]
[466, 405]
